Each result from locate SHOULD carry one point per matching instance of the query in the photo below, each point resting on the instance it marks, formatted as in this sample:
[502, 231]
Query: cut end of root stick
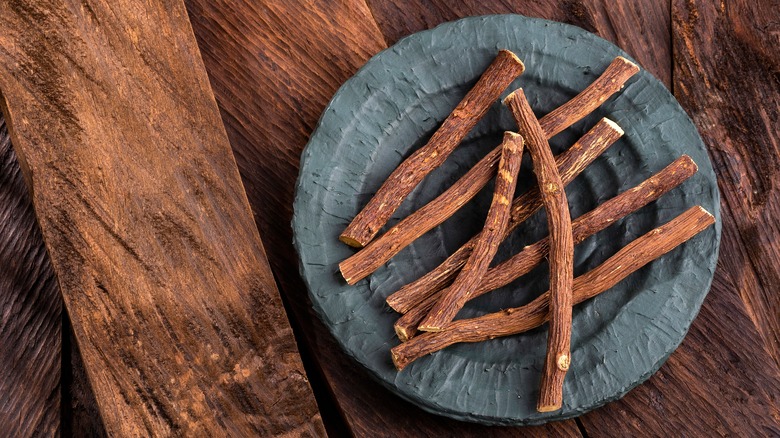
[396, 360]
[548, 408]
[709, 216]
[563, 362]
[515, 57]
[512, 96]
[690, 163]
[614, 126]
[351, 241]
[626, 61]
[394, 305]
[401, 332]
[509, 135]
[350, 281]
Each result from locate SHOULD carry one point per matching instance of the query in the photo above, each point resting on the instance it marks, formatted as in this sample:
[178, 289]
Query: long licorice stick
[561, 253]
[501, 72]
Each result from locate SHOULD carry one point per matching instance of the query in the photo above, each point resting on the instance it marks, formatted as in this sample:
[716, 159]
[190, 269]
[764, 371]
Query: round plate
[391, 107]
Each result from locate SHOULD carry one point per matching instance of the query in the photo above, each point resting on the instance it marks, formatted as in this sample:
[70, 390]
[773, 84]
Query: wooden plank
[273, 68]
[30, 312]
[640, 28]
[34, 340]
[726, 75]
[141, 207]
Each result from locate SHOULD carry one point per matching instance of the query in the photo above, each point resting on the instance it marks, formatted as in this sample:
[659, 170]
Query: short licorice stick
[499, 74]
[609, 83]
[583, 227]
[487, 243]
[368, 222]
[570, 164]
[629, 259]
[378, 252]
[561, 252]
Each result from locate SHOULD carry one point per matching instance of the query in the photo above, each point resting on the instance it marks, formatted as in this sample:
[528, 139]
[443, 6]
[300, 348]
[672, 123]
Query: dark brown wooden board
[727, 76]
[723, 380]
[641, 30]
[30, 312]
[271, 88]
[141, 206]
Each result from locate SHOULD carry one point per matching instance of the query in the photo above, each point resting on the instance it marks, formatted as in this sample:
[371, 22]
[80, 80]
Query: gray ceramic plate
[391, 107]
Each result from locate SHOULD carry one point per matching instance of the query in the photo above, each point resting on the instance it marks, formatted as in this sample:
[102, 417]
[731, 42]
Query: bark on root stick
[501, 72]
[570, 164]
[561, 256]
[437, 211]
[629, 259]
[583, 227]
[487, 243]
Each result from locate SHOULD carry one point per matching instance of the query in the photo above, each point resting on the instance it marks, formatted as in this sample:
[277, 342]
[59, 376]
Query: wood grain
[271, 89]
[27, 297]
[30, 312]
[641, 27]
[719, 382]
[141, 207]
[561, 254]
[727, 76]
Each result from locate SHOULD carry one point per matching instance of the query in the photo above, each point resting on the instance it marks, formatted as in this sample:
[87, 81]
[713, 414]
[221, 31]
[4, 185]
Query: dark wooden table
[274, 65]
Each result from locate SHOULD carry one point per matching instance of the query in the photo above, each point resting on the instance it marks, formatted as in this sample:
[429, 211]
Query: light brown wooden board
[161, 267]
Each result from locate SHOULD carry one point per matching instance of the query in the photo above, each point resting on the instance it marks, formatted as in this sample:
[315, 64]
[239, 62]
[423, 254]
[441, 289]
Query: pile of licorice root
[431, 303]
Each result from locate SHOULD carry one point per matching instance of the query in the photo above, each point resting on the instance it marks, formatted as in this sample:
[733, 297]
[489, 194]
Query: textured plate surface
[391, 107]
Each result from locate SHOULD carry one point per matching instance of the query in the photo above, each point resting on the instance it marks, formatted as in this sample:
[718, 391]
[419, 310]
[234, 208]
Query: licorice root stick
[609, 83]
[374, 215]
[583, 227]
[487, 243]
[501, 72]
[561, 253]
[570, 164]
[629, 259]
